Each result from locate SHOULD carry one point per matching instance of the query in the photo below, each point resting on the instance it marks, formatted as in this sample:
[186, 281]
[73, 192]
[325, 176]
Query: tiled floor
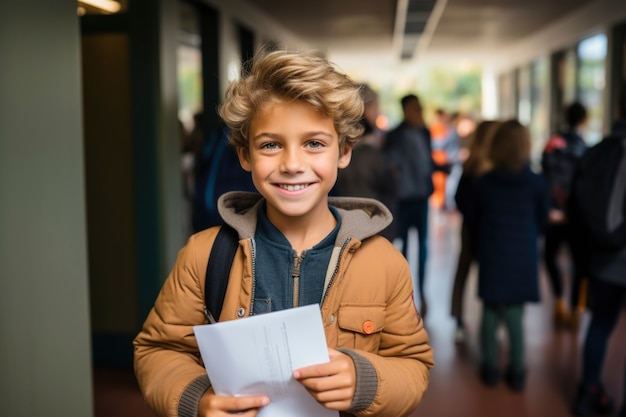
[553, 357]
[116, 394]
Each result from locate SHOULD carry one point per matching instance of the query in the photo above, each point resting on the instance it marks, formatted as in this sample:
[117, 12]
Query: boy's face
[293, 157]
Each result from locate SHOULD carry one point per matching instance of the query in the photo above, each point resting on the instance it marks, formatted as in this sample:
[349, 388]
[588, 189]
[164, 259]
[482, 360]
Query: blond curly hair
[280, 76]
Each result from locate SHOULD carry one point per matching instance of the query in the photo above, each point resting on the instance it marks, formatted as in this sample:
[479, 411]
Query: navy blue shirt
[282, 278]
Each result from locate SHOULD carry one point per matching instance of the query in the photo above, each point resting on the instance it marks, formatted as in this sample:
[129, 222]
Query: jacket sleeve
[167, 362]
[463, 194]
[404, 355]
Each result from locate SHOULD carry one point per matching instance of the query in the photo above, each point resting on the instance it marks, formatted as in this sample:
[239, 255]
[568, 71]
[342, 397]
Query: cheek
[261, 168]
[328, 169]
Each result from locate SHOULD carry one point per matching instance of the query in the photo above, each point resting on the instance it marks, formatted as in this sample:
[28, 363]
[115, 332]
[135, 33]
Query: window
[591, 82]
[539, 106]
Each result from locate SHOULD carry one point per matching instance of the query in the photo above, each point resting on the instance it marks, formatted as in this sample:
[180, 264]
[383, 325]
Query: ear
[344, 160]
[244, 158]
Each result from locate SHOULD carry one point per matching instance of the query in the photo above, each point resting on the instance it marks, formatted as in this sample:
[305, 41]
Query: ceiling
[407, 30]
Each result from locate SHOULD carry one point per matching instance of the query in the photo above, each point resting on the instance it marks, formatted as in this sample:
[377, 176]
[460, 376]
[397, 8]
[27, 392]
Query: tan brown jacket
[368, 312]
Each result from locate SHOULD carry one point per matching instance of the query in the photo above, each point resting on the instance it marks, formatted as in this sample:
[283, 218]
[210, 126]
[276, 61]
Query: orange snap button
[368, 327]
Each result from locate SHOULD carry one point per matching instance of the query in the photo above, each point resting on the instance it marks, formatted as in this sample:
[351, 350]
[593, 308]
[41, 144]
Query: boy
[294, 120]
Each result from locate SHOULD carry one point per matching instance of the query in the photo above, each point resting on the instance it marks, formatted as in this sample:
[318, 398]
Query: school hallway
[552, 356]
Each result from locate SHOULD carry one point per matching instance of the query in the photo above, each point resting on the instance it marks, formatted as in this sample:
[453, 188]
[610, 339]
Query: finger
[319, 369]
[334, 395]
[240, 405]
[328, 383]
[334, 400]
[314, 371]
[243, 404]
[251, 412]
[339, 363]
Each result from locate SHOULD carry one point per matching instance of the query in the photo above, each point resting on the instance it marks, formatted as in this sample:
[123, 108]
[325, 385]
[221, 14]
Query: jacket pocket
[361, 325]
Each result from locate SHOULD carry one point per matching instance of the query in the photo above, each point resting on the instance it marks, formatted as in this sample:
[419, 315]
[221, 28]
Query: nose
[292, 160]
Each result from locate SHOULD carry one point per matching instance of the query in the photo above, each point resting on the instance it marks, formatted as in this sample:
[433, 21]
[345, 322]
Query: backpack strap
[218, 270]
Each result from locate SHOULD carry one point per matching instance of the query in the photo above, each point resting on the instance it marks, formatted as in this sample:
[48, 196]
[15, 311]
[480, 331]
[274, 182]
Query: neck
[307, 231]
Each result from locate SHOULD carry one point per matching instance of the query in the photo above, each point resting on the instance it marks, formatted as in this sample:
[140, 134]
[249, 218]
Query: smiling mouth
[293, 187]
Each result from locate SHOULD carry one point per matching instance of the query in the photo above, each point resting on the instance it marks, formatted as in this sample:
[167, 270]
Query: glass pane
[569, 77]
[523, 87]
[539, 106]
[507, 96]
[591, 81]
[189, 65]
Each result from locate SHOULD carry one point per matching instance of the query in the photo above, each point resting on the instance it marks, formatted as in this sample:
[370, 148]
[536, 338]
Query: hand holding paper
[332, 384]
[257, 356]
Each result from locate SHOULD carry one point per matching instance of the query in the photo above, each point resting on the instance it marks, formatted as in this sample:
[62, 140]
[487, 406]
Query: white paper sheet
[257, 356]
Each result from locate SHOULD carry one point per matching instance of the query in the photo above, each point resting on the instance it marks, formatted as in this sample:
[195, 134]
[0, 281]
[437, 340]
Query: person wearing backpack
[558, 161]
[598, 209]
[293, 119]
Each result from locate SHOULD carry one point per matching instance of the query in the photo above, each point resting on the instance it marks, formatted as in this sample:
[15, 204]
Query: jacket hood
[360, 217]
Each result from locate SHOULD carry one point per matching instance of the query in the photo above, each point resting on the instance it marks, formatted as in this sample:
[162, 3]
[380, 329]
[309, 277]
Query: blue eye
[315, 144]
[269, 145]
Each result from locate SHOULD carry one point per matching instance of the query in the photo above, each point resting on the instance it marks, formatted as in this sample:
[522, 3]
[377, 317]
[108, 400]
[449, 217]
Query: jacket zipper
[295, 273]
[253, 256]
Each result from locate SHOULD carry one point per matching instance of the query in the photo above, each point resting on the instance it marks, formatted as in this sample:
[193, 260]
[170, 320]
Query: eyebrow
[277, 136]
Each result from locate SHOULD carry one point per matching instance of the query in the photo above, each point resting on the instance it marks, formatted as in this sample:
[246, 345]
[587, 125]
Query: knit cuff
[366, 381]
[190, 399]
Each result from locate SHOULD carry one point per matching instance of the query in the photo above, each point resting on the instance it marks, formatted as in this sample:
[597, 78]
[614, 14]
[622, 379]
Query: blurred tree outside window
[453, 89]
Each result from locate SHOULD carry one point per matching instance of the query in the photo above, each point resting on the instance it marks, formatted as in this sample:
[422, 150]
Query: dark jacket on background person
[369, 175]
[409, 150]
[600, 261]
[558, 163]
[507, 215]
[465, 192]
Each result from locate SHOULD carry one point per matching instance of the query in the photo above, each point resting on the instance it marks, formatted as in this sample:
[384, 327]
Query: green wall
[45, 367]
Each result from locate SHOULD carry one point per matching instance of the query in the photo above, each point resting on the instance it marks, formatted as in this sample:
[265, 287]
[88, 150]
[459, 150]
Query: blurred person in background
[476, 165]
[371, 113]
[439, 129]
[369, 173]
[440, 125]
[507, 217]
[597, 209]
[409, 150]
[454, 146]
[558, 162]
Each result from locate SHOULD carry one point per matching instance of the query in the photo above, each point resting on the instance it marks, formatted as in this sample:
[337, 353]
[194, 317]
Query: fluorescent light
[106, 5]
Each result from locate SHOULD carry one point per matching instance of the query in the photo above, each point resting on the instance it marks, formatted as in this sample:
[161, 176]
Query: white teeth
[290, 187]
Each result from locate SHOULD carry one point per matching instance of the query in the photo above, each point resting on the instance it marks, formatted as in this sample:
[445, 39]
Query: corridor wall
[45, 367]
